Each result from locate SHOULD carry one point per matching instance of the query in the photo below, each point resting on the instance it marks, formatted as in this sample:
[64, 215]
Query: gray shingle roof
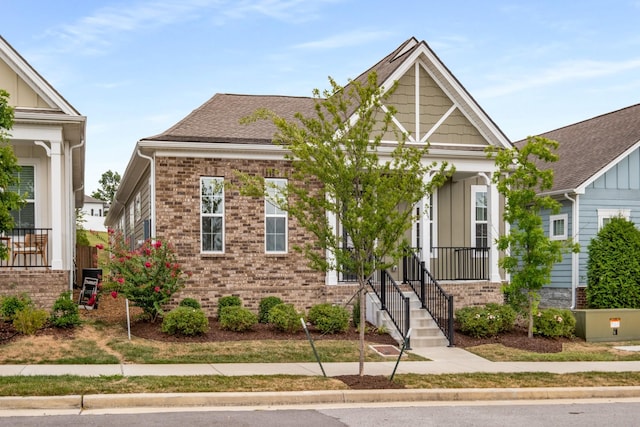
[590, 146]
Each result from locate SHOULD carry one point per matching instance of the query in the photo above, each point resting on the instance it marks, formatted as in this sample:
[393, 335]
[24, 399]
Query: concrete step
[421, 342]
[425, 332]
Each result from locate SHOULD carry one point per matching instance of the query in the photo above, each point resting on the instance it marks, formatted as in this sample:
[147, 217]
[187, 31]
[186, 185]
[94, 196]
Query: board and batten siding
[561, 273]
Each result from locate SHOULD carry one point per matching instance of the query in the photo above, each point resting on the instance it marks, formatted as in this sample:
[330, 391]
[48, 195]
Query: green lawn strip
[599, 352]
[74, 385]
[268, 351]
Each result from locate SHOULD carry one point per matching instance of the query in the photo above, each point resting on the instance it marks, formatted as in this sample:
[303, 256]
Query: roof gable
[588, 149]
[28, 89]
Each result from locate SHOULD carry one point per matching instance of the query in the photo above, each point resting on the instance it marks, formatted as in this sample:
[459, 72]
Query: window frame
[28, 201]
[565, 228]
[609, 213]
[220, 214]
[276, 213]
[476, 189]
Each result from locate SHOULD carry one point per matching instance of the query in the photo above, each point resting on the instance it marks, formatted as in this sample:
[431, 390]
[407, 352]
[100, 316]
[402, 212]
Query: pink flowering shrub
[148, 276]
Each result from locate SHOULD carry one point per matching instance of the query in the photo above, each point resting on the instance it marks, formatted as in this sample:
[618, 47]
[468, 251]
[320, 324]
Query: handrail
[393, 301]
[432, 297]
[460, 263]
[27, 248]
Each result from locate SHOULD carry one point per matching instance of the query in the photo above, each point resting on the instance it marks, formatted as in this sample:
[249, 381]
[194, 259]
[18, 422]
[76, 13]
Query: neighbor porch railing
[393, 301]
[27, 248]
[432, 297]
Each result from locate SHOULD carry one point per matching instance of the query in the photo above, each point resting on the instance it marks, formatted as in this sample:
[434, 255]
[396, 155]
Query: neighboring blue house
[596, 178]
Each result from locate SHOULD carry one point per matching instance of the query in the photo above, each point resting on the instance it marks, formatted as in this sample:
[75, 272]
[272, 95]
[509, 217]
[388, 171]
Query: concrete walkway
[443, 360]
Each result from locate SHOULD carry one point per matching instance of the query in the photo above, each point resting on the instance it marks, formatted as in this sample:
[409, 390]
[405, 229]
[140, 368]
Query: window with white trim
[479, 216]
[212, 214]
[605, 215]
[275, 219]
[25, 217]
[558, 227]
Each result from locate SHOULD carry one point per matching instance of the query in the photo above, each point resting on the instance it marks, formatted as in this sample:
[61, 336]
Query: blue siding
[561, 273]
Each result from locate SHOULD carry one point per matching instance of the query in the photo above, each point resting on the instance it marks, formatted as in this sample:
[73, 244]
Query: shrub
[284, 317]
[486, 321]
[10, 305]
[613, 266]
[265, 306]
[64, 313]
[190, 302]
[355, 314]
[554, 322]
[28, 320]
[328, 318]
[185, 321]
[238, 319]
[228, 301]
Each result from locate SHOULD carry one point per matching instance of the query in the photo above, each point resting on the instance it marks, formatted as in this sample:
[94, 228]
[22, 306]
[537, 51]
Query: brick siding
[42, 286]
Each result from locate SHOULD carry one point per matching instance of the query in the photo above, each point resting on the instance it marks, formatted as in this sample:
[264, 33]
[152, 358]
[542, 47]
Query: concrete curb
[186, 400]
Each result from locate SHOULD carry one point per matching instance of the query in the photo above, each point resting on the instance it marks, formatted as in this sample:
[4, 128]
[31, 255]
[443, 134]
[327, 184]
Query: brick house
[171, 177]
[48, 138]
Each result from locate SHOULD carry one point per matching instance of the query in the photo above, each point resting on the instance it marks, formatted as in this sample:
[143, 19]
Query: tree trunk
[530, 329]
[363, 308]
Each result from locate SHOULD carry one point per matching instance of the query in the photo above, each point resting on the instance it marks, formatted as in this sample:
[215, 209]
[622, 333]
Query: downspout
[152, 191]
[575, 257]
[71, 251]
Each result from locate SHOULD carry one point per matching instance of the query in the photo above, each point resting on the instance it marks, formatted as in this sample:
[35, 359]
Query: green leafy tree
[340, 167]
[531, 253]
[109, 183]
[613, 267]
[9, 200]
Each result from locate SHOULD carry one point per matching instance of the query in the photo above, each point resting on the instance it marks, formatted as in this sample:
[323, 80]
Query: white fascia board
[46, 116]
[35, 132]
[581, 189]
[221, 150]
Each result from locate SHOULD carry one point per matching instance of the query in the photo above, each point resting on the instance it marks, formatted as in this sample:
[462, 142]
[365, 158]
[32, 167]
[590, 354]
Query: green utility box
[601, 325]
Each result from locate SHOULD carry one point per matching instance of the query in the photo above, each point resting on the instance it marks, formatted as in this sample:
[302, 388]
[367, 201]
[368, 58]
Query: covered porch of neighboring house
[452, 262]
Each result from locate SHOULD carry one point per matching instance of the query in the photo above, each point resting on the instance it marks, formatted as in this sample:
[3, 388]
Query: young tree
[341, 168]
[109, 183]
[531, 253]
[9, 200]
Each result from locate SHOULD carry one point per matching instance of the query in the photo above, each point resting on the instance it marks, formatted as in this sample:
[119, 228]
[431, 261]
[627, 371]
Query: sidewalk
[443, 360]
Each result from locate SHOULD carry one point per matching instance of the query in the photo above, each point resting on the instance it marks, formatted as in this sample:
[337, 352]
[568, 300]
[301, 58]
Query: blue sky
[136, 67]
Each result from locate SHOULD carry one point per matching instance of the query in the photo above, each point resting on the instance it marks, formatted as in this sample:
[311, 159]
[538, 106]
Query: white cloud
[567, 71]
[350, 39]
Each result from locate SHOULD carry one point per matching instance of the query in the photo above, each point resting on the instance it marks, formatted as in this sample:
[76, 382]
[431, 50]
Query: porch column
[54, 151]
[425, 229]
[493, 227]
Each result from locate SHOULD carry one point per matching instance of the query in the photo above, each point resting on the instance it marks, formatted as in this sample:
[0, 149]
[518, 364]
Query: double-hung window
[25, 217]
[479, 217]
[558, 227]
[275, 219]
[212, 214]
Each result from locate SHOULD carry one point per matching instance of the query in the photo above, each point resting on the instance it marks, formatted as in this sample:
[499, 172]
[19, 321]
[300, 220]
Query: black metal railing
[27, 248]
[432, 297]
[393, 301]
[459, 263]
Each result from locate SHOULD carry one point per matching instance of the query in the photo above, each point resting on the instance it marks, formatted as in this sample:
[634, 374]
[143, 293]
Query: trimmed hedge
[554, 322]
[486, 321]
[265, 306]
[228, 301]
[284, 317]
[187, 321]
[328, 318]
[238, 319]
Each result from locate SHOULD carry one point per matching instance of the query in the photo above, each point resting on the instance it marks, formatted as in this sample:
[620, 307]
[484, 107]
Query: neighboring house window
[558, 226]
[212, 214]
[132, 220]
[275, 219]
[479, 216]
[25, 217]
[138, 207]
[605, 215]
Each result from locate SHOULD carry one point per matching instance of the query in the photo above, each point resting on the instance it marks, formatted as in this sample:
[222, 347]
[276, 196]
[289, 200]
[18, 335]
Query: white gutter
[152, 191]
[575, 256]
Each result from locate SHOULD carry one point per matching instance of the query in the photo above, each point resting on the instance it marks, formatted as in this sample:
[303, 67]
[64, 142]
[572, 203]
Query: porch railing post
[383, 290]
[450, 325]
[407, 320]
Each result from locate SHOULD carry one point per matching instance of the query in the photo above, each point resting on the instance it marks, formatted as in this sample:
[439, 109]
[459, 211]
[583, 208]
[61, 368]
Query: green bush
[228, 301]
[266, 304]
[284, 317]
[355, 314]
[613, 266]
[28, 320]
[238, 319]
[10, 305]
[486, 321]
[190, 302]
[328, 318]
[185, 321]
[64, 313]
[554, 322]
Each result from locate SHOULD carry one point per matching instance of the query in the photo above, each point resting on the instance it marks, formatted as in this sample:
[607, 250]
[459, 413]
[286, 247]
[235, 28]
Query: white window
[25, 217]
[212, 214]
[275, 219]
[479, 217]
[132, 219]
[138, 207]
[558, 226]
[605, 215]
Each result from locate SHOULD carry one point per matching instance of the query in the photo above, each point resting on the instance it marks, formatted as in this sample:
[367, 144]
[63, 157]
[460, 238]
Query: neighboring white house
[94, 212]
